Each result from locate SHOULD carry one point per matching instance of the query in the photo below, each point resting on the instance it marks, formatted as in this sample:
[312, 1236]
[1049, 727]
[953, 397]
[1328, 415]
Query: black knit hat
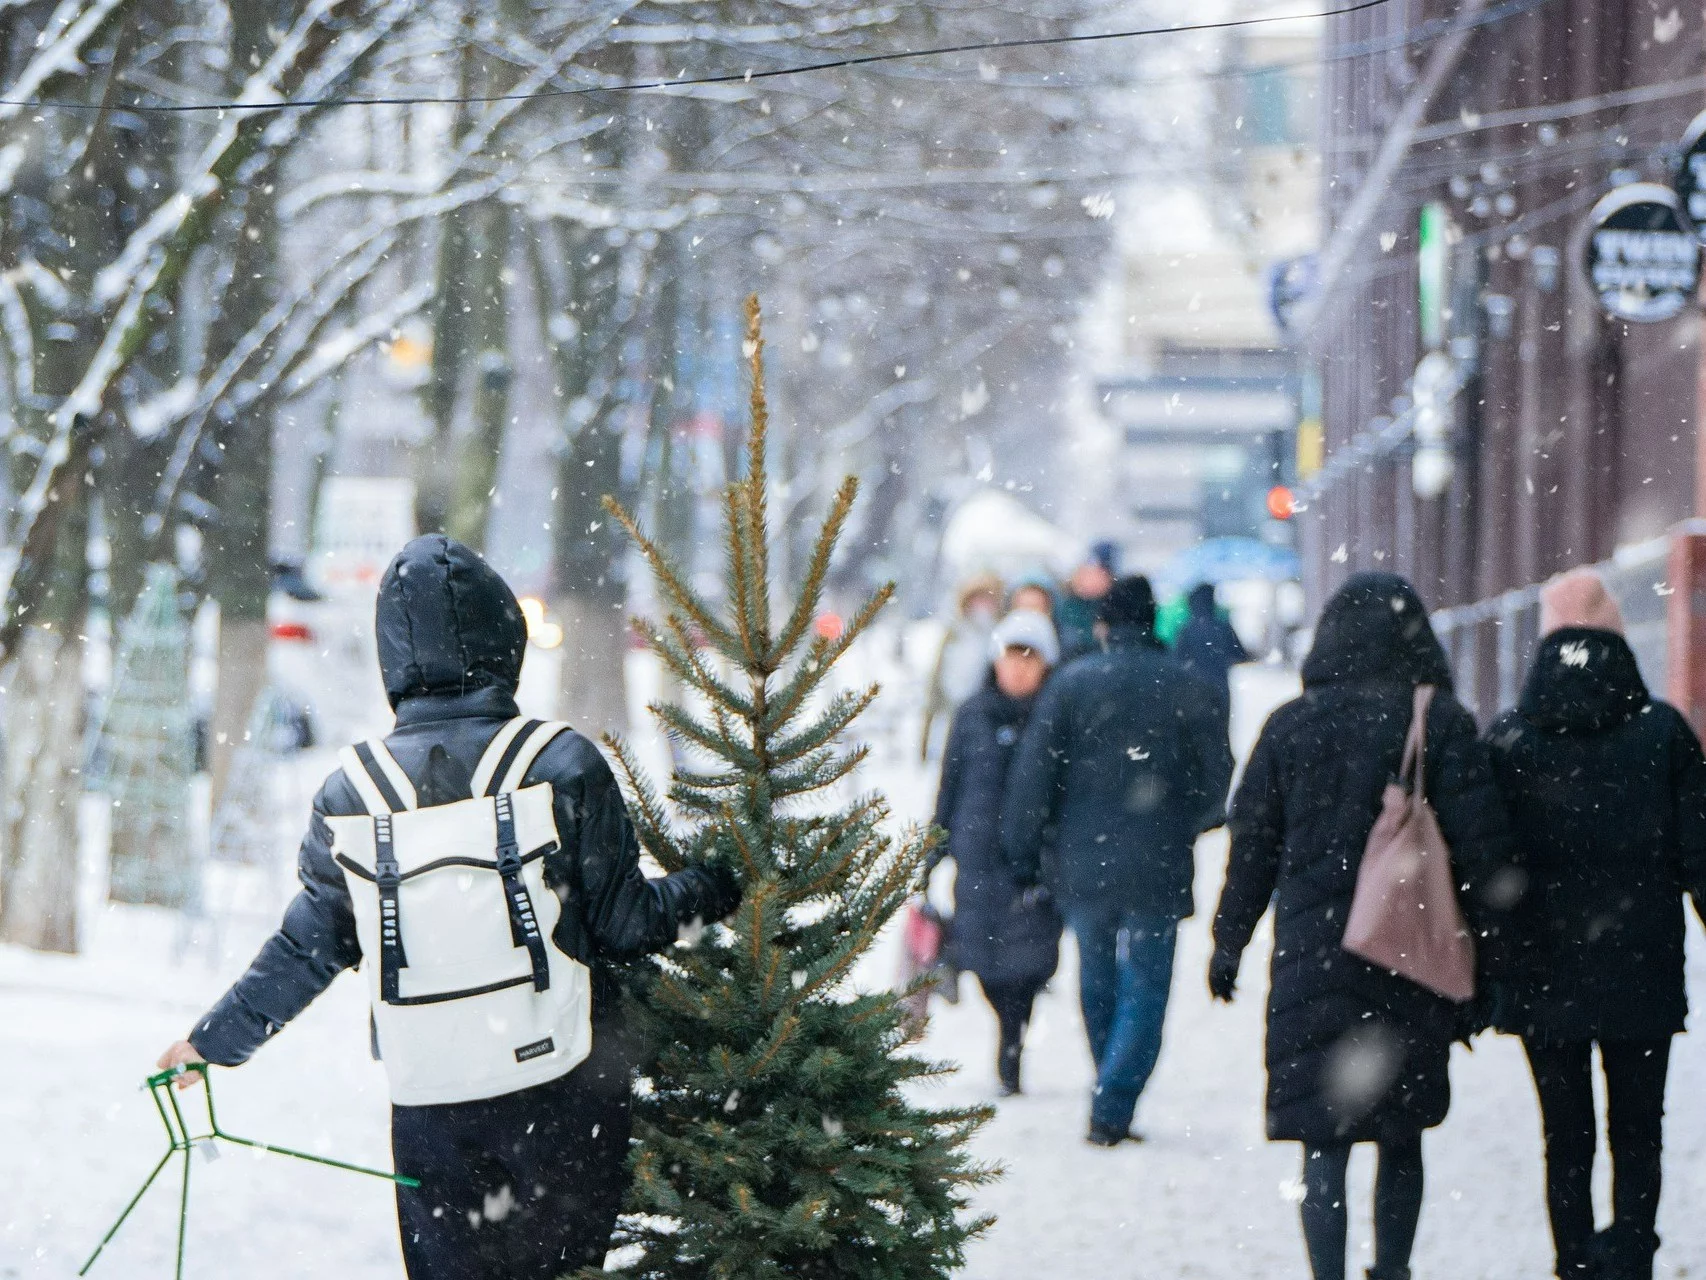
[1130, 602]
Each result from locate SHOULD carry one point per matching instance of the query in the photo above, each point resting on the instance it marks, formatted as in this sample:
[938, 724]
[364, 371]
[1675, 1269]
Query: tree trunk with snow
[593, 695]
[44, 747]
[242, 676]
[492, 373]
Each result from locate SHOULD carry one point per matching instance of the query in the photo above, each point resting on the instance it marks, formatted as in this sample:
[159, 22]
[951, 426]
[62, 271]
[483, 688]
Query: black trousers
[1635, 1072]
[522, 1187]
[1398, 1185]
[1012, 1003]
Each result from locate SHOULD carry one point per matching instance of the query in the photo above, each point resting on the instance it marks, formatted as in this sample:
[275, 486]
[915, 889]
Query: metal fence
[1490, 643]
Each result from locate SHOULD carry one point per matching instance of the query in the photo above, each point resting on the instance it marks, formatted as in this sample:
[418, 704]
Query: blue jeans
[1125, 970]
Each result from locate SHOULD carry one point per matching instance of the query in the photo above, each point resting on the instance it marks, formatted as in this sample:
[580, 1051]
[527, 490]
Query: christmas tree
[144, 753]
[777, 1137]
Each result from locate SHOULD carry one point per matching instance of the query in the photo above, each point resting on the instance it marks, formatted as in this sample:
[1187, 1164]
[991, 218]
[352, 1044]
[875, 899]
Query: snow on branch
[61, 52]
[336, 351]
[759, 33]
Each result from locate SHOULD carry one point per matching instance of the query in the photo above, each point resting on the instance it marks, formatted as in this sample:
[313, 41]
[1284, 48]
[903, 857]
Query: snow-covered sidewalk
[1204, 1196]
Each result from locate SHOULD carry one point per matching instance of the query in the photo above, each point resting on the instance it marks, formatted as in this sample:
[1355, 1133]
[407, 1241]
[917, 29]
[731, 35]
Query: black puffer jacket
[1607, 795]
[997, 934]
[451, 639]
[1123, 764]
[1206, 645]
[1355, 1053]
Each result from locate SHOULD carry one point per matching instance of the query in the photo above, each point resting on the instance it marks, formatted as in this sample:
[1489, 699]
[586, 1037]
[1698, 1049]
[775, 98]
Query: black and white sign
[1642, 258]
[1691, 175]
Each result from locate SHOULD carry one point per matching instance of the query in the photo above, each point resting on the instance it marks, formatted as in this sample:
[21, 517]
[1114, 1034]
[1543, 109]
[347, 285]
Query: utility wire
[732, 77]
[1430, 30]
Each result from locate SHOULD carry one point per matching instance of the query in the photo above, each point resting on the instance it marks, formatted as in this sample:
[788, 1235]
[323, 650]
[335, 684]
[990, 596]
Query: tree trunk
[44, 740]
[594, 695]
[477, 468]
[242, 676]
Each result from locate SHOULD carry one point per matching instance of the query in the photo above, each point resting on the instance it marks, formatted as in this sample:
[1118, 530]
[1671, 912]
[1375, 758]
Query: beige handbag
[1405, 915]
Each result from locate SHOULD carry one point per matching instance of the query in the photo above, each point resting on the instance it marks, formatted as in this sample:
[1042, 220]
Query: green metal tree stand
[179, 1139]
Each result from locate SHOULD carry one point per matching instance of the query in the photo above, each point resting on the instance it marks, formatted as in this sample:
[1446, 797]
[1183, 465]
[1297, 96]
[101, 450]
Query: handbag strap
[1414, 767]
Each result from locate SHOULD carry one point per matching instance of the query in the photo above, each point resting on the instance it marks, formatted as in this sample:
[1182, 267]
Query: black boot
[1622, 1254]
[1007, 1069]
[1388, 1273]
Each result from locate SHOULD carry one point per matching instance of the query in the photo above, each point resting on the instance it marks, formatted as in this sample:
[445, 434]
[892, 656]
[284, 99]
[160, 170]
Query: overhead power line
[731, 77]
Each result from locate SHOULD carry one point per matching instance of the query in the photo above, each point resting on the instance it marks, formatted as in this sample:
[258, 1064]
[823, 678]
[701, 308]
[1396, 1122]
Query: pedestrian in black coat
[1206, 645]
[451, 639]
[1607, 794]
[1005, 933]
[1354, 1053]
[1123, 764]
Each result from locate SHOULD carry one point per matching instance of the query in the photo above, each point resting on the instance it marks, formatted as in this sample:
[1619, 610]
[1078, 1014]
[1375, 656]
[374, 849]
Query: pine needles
[776, 1139]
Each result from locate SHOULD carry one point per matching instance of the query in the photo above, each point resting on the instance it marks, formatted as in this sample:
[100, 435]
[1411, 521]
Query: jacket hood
[1376, 628]
[1584, 680]
[446, 623]
[1200, 601]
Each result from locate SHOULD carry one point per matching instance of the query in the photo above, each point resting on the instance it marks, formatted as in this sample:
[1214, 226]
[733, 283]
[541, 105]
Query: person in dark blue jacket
[1123, 764]
[1207, 645]
[451, 638]
[1006, 934]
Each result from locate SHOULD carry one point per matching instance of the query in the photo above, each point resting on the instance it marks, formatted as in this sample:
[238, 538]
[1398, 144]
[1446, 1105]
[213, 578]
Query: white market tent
[994, 532]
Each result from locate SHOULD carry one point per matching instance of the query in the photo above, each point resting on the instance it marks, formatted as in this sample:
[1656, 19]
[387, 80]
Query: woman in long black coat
[1007, 935]
[1354, 1053]
[1607, 796]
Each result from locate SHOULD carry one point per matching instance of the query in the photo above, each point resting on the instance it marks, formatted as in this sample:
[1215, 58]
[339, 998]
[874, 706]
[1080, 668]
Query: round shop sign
[1642, 258]
[1690, 178]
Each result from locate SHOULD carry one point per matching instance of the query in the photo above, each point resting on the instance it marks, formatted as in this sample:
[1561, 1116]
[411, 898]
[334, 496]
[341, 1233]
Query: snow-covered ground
[1204, 1196]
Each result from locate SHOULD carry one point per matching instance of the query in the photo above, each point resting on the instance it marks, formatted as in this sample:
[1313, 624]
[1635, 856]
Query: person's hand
[725, 891]
[1223, 976]
[1474, 1017]
[181, 1054]
[1035, 897]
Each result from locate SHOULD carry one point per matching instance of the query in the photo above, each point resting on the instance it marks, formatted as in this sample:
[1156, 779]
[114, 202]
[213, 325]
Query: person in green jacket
[1075, 614]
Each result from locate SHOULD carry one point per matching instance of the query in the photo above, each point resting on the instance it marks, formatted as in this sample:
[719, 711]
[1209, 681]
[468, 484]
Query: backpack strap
[493, 758]
[523, 924]
[503, 771]
[517, 757]
[387, 877]
[369, 780]
[384, 789]
[1414, 765]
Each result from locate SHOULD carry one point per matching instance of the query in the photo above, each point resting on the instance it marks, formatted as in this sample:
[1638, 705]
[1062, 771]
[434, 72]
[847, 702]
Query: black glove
[719, 892]
[1474, 1016]
[1036, 897]
[1223, 975]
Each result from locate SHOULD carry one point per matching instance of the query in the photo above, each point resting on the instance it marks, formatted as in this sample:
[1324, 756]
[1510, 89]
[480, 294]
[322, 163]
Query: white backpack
[471, 999]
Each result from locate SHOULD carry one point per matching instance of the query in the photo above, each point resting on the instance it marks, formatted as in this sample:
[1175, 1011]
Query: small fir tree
[777, 1138]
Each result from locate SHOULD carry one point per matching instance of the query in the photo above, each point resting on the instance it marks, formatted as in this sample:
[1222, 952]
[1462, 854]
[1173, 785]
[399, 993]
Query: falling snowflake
[1099, 206]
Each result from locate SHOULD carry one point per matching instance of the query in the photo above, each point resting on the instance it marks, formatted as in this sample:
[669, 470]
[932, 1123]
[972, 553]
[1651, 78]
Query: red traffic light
[1281, 503]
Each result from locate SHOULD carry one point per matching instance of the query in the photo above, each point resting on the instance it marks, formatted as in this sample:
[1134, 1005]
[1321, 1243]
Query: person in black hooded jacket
[1206, 645]
[1355, 1053]
[1607, 794]
[526, 1184]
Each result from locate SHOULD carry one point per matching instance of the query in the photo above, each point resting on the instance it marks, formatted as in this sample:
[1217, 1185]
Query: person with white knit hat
[1007, 935]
